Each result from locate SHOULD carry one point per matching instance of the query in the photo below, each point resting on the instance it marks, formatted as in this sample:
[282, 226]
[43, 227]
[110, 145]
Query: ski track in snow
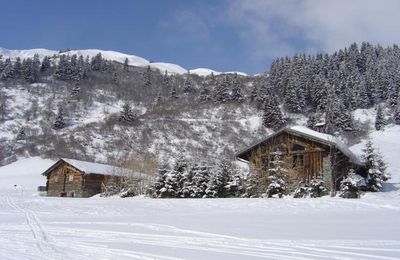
[74, 237]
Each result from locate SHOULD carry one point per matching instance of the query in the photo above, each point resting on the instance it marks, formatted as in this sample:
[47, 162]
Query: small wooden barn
[306, 153]
[74, 178]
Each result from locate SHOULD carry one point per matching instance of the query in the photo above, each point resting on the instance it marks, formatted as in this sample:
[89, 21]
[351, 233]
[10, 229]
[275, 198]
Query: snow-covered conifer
[317, 188]
[349, 186]
[59, 123]
[302, 191]
[236, 93]
[201, 178]
[188, 84]
[375, 167]
[221, 91]
[272, 115]
[126, 114]
[380, 120]
[277, 186]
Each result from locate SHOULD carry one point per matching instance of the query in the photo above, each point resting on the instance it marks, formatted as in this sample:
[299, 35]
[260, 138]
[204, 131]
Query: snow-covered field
[36, 227]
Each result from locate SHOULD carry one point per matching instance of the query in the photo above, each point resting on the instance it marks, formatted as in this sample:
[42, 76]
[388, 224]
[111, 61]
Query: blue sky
[225, 35]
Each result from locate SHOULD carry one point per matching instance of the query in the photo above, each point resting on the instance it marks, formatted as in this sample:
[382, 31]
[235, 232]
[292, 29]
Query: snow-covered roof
[311, 134]
[95, 168]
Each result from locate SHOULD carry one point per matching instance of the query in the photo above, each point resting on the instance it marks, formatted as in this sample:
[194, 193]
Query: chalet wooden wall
[304, 158]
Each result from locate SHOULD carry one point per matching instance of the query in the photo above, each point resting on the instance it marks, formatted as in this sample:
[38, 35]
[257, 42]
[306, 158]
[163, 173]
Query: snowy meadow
[38, 227]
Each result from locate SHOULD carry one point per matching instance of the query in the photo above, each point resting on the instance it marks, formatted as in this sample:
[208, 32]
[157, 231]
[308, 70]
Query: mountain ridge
[120, 57]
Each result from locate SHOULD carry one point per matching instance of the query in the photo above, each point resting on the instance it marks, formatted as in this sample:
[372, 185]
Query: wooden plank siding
[304, 158]
[64, 180]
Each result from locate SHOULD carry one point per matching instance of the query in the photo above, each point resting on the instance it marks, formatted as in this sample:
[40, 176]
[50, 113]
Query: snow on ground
[36, 227]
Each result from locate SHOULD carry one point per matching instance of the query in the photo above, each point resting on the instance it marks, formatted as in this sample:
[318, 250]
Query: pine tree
[126, 115]
[97, 63]
[236, 93]
[18, 70]
[188, 85]
[165, 82]
[8, 70]
[272, 115]
[205, 94]
[180, 171]
[375, 169]
[349, 186]
[45, 66]
[126, 65]
[59, 123]
[159, 183]
[253, 184]
[277, 172]
[302, 191]
[173, 94]
[201, 178]
[380, 121]
[221, 91]
[147, 78]
[219, 184]
[317, 188]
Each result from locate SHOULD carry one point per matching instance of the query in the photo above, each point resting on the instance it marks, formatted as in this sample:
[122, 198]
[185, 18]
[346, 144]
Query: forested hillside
[96, 109]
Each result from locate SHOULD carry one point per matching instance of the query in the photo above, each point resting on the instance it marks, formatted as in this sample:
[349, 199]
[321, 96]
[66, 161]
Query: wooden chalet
[306, 154]
[74, 178]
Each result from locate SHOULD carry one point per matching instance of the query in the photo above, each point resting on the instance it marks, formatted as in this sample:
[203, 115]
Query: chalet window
[298, 148]
[298, 160]
[70, 177]
[55, 178]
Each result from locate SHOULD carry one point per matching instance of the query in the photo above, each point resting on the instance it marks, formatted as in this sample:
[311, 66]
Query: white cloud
[278, 28]
[186, 26]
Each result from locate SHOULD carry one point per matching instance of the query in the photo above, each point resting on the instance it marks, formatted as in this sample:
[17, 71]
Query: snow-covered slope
[112, 55]
[25, 173]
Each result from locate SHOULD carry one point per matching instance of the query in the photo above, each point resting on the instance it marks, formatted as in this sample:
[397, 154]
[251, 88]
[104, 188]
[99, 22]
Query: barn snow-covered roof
[94, 168]
[313, 135]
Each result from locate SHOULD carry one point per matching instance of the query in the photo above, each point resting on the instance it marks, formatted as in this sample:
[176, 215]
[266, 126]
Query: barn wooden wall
[55, 181]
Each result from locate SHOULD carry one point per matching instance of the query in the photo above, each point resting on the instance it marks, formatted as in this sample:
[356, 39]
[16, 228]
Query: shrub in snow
[128, 192]
[21, 134]
[112, 187]
[317, 188]
[302, 191]
[349, 187]
[276, 188]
